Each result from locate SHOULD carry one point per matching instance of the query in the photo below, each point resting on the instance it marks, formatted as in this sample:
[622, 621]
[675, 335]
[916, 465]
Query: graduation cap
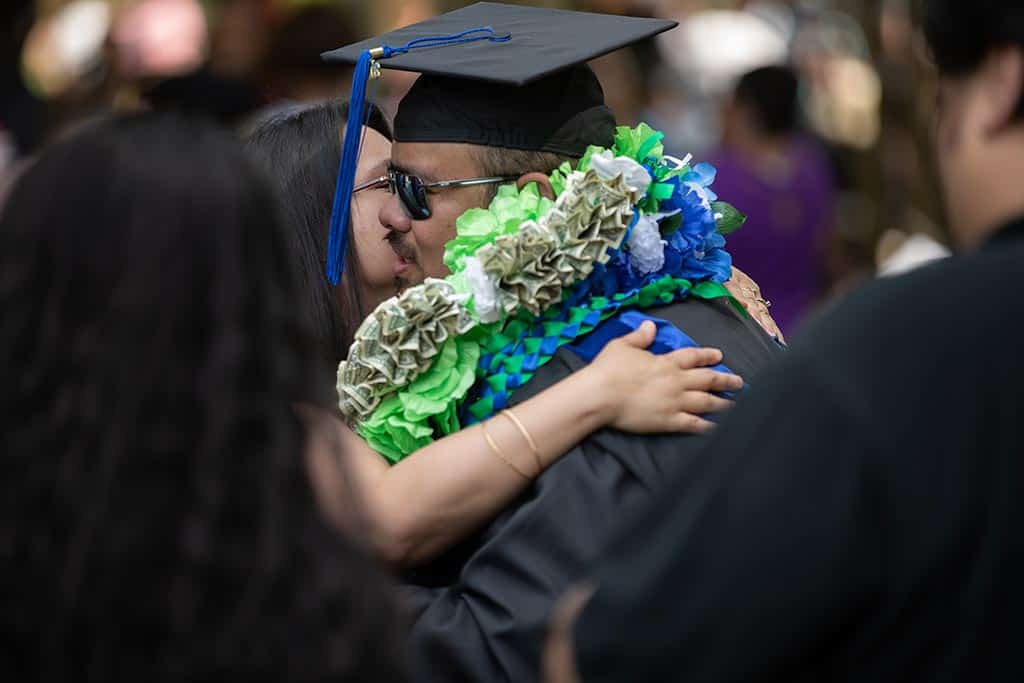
[493, 74]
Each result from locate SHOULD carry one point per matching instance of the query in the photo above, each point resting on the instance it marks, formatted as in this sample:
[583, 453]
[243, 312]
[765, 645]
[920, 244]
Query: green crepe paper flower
[584, 164]
[477, 227]
[558, 176]
[407, 420]
[640, 143]
[473, 229]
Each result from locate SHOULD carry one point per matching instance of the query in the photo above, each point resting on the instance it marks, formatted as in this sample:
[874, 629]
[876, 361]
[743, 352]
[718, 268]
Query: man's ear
[1002, 86]
[543, 184]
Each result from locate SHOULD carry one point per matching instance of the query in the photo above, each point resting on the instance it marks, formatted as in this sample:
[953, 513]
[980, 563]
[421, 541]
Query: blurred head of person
[763, 108]
[293, 69]
[162, 46]
[163, 507]
[203, 93]
[978, 48]
[301, 148]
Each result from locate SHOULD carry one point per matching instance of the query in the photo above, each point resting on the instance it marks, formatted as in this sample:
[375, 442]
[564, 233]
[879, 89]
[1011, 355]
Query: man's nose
[393, 216]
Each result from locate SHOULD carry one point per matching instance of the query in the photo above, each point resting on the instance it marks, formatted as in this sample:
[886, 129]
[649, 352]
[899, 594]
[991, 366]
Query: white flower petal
[701, 192]
[485, 290]
[678, 163]
[607, 167]
[646, 248]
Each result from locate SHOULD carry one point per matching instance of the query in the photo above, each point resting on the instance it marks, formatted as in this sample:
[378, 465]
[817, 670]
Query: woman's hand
[748, 293]
[646, 393]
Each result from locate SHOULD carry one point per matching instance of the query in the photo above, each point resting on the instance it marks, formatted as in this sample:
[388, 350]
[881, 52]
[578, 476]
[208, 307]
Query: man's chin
[414, 274]
[412, 277]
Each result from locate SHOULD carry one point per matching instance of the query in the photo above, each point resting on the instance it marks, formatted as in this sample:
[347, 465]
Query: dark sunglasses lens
[413, 196]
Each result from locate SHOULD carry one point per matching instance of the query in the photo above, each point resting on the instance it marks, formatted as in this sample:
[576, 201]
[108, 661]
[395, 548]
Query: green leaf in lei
[728, 218]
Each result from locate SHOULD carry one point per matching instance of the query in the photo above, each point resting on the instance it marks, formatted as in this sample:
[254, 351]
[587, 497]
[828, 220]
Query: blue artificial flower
[695, 251]
[710, 262]
[700, 249]
[703, 174]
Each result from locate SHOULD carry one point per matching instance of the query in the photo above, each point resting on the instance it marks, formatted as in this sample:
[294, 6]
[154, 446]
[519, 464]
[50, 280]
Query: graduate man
[479, 614]
[860, 515]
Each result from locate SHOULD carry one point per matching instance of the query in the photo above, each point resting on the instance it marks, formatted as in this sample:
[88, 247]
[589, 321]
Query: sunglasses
[412, 191]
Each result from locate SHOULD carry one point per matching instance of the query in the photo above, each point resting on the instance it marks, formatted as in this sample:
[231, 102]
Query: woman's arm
[442, 492]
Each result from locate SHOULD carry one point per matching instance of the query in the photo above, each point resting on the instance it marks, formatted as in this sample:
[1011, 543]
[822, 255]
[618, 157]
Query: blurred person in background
[186, 64]
[910, 239]
[159, 489]
[783, 181]
[899, 252]
[293, 70]
[417, 513]
[858, 516]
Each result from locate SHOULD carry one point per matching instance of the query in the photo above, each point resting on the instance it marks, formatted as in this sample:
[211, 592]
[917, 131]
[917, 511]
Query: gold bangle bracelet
[526, 435]
[498, 452]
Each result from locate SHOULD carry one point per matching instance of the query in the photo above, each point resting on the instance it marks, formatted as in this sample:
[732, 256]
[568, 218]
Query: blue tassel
[337, 242]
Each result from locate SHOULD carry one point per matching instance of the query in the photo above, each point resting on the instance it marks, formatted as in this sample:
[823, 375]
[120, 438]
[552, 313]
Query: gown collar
[1013, 230]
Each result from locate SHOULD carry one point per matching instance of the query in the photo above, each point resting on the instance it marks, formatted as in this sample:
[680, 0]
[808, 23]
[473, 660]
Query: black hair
[500, 161]
[157, 516]
[307, 32]
[203, 92]
[960, 34]
[301, 149]
[770, 94]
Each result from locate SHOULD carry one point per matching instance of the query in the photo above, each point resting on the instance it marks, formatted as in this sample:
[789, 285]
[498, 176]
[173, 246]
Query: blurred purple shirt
[788, 210]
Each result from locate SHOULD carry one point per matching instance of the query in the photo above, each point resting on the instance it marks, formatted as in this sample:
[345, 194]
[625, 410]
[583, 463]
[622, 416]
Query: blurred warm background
[829, 155]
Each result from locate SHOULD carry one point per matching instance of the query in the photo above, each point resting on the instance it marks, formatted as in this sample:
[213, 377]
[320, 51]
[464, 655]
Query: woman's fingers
[706, 379]
[703, 403]
[688, 423]
[695, 357]
[641, 337]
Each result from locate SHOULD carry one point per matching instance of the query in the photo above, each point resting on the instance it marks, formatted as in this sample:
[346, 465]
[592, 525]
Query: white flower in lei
[485, 290]
[646, 248]
[608, 166]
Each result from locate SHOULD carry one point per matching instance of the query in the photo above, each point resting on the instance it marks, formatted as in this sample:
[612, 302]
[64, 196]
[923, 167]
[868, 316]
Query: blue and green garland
[630, 228]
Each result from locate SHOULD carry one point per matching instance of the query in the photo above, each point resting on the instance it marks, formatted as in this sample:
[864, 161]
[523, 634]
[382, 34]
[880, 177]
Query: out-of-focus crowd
[828, 155]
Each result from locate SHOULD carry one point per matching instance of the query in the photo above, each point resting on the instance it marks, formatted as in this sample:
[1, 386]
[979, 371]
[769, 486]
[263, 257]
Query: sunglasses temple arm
[469, 182]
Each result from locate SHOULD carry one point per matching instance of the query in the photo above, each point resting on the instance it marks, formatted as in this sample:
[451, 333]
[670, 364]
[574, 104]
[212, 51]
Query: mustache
[401, 248]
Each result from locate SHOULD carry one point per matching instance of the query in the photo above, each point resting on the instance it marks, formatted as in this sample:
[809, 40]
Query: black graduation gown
[483, 617]
[858, 517]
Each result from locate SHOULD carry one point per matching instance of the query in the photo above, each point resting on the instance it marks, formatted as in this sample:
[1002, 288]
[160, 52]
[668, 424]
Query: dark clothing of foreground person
[485, 617]
[855, 518]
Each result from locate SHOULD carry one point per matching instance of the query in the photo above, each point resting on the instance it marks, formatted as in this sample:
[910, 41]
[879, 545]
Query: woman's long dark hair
[301, 148]
[157, 520]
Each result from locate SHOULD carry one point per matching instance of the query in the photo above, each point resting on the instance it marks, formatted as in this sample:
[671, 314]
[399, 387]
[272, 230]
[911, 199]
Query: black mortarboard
[496, 75]
[542, 41]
